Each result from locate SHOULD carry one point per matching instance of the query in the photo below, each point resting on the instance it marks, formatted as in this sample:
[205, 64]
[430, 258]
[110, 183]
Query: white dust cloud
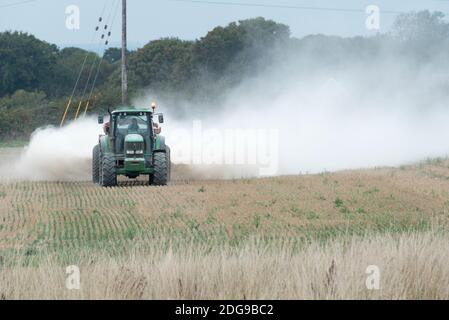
[314, 116]
[56, 154]
[387, 113]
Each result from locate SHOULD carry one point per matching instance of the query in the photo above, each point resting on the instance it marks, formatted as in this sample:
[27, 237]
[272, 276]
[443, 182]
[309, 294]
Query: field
[293, 237]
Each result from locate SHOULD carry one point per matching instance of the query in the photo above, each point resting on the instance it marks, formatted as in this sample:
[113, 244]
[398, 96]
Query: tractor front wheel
[108, 171]
[96, 164]
[161, 163]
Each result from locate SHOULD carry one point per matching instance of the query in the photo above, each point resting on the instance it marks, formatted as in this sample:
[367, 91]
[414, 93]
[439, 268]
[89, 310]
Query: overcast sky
[153, 19]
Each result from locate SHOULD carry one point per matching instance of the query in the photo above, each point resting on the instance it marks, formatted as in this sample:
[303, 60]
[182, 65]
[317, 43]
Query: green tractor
[131, 146]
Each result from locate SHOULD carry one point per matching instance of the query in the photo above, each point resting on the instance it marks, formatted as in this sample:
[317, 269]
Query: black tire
[160, 176]
[108, 171]
[96, 164]
[169, 162]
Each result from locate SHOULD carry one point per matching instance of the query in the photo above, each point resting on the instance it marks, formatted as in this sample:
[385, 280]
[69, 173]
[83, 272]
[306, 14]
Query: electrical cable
[261, 5]
[92, 67]
[101, 60]
[100, 19]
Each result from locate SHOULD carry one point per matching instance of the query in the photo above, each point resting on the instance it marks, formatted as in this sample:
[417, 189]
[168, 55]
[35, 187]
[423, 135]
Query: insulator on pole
[105, 27]
[102, 36]
[100, 19]
[106, 43]
[96, 29]
[109, 33]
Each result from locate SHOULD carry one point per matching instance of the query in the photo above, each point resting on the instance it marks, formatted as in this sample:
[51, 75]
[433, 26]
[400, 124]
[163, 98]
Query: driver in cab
[133, 126]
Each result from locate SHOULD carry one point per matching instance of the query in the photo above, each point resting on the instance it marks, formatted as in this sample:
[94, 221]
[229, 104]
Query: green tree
[239, 46]
[23, 112]
[25, 62]
[161, 64]
[113, 55]
[422, 34]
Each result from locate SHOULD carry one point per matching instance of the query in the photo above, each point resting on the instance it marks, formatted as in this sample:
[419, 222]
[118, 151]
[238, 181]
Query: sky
[154, 19]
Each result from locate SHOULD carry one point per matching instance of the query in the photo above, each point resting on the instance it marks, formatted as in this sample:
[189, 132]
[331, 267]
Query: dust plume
[387, 110]
[56, 154]
[318, 104]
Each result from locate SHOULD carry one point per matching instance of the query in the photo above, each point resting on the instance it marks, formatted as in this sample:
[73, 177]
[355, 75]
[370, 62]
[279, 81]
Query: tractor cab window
[128, 123]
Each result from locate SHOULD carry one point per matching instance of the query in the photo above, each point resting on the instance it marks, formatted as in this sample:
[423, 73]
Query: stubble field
[293, 237]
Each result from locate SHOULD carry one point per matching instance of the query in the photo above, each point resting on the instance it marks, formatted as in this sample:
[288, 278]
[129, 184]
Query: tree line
[36, 77]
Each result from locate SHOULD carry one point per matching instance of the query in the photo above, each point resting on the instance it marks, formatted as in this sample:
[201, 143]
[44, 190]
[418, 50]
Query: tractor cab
[132, 139]
[131, 132]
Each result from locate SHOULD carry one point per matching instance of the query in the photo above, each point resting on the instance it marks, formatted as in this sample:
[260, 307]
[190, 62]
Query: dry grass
[412, 266]
[194, 239]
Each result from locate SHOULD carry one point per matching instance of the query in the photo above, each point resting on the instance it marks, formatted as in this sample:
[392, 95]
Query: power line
[92, 67]
[69, 103]
[261, 5]
[114, 15]
[16, 3]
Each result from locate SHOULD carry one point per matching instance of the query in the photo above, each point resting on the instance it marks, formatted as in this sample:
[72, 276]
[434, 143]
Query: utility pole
[124, 62]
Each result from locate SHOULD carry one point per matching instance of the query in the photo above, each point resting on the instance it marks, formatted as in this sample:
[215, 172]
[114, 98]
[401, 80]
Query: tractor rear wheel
[161, 169]
[169, 162]
[96, 164]
[108, 171]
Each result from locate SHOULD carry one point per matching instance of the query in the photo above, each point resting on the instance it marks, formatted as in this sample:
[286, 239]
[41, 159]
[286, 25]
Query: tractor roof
[130, 109]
